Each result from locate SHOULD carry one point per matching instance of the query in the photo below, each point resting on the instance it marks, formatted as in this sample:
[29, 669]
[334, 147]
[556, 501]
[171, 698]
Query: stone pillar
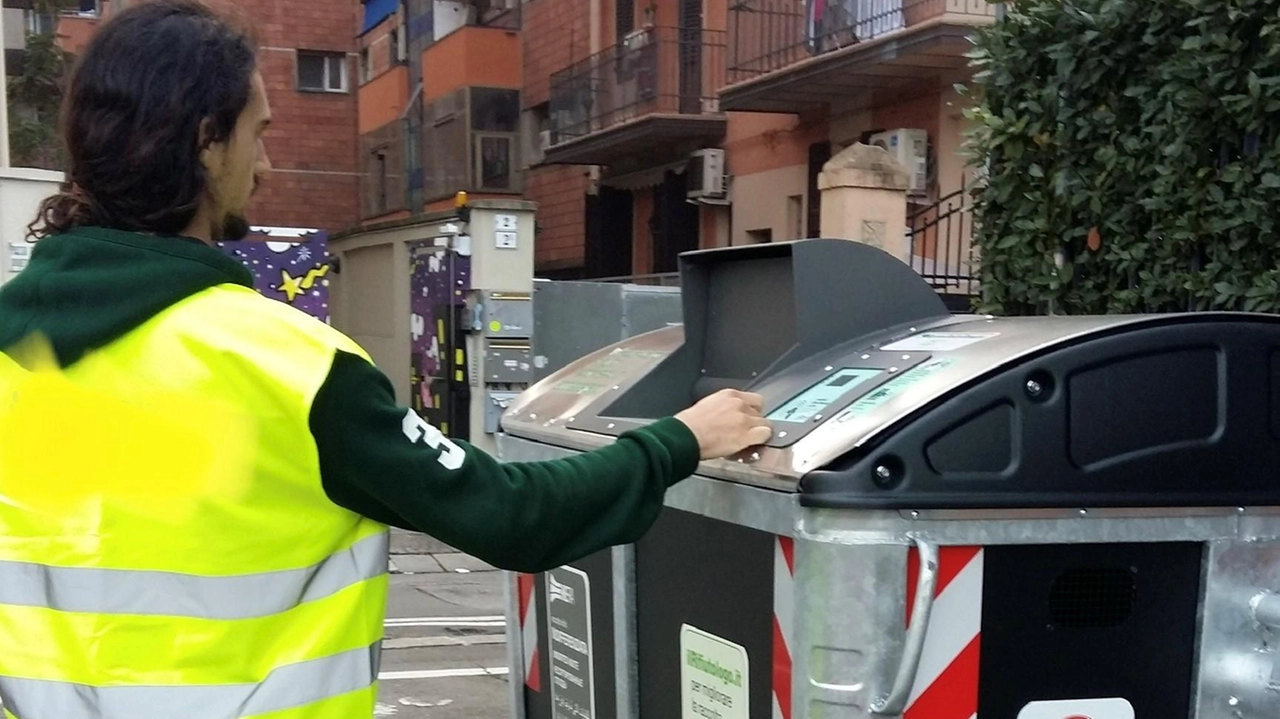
[864, 198]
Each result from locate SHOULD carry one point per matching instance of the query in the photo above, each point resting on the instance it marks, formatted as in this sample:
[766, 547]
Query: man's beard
[235, 227]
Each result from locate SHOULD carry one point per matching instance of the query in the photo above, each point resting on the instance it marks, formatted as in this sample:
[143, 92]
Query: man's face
[237, 166]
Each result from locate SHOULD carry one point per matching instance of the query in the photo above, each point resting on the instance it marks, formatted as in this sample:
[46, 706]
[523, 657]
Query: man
[210, 593]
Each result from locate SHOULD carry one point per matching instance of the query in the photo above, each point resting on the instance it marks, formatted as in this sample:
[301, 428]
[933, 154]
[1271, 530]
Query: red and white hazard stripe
[529, 631]
[947, 682]
[784, 579]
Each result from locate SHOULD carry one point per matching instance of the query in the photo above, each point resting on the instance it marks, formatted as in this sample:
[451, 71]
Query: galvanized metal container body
[1035, 518]
[825, 624]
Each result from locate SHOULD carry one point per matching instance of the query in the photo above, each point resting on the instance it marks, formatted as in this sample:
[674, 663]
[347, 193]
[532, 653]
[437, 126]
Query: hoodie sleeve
[384, 462]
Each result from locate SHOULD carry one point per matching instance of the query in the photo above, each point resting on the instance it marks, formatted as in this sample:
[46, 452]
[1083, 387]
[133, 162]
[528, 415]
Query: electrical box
[508, 362]
[495, 403]
[911, 148]
[506, 314]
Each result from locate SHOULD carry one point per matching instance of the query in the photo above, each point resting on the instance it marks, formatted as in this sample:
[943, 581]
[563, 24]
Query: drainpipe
[4, 101]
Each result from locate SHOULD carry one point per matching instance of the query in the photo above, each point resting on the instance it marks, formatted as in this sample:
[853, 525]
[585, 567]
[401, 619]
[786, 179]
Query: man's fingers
[760, 434]
[754, 401]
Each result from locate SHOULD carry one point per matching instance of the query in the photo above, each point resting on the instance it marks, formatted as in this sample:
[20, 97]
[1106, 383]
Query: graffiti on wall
[291, 265]
[438, 284]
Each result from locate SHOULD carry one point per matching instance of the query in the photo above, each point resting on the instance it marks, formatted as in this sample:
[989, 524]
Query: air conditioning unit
[911, 148]
[706, 174]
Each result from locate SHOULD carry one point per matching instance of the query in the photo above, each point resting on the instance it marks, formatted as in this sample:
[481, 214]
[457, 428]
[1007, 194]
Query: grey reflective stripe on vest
[289, 686]
[129, 591]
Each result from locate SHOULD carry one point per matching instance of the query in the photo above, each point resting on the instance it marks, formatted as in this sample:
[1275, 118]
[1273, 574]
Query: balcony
[788, 56]
[651, 96]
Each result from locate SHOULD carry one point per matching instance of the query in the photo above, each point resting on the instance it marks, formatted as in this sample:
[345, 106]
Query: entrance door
[608, 250]
[674, 223]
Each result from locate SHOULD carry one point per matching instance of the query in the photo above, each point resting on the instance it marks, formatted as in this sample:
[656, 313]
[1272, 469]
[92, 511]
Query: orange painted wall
[472, 57]
[715, 14]
[383, 98]
[758, 142]
[74, 33]
[920, 112]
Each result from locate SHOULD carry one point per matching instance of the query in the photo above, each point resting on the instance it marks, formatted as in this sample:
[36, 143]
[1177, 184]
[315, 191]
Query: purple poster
[439, 282]
[288, 264]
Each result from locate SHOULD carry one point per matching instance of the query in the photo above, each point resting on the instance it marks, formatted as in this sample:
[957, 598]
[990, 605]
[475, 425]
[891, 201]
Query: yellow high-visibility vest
[167, 550]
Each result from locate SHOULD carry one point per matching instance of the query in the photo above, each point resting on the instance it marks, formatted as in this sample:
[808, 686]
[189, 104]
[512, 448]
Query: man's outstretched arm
[380, 460]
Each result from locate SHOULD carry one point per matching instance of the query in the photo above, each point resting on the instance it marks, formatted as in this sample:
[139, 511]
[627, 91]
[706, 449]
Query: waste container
[957, 516]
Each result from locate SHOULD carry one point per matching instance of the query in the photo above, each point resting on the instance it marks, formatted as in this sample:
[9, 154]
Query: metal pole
[4, 101]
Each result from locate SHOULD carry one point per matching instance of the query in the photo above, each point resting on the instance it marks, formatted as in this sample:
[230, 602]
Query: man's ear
[211, 152]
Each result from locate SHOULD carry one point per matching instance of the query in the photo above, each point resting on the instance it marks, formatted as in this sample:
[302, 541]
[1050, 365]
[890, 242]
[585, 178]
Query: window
[39, 23]
[366, 67]
[795, 217]
[494, 110]
[493, 162]
[381, 158]
[322, 72]
[395, 41]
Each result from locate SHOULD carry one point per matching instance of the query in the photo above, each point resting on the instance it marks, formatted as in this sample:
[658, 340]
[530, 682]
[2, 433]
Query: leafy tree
[35, 95]
[1132, 156]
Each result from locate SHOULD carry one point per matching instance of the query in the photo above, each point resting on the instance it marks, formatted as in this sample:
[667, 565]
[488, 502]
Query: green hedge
[1133, 156]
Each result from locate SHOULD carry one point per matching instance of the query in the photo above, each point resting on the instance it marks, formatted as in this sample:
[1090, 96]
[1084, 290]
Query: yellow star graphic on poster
[294, 286]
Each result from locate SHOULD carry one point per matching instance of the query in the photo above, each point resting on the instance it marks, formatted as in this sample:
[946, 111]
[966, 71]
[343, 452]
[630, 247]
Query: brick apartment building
[669, 125]
[308, 61]
[642, 128]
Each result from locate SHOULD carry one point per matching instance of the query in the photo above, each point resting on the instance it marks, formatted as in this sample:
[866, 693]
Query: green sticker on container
[495, 326]
[894, 387]
[576, 388]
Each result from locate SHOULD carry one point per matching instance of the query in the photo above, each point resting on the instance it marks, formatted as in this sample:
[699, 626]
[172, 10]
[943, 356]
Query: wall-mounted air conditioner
[706, 174]
[911, 148]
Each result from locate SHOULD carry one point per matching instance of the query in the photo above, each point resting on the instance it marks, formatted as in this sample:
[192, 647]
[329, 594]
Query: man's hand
[727, 422]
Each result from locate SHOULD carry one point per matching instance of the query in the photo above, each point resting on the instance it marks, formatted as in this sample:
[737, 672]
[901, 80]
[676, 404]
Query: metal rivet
[781, 435]
[573, 419]
[828, 368]
[906, 357]
[990, 317]
[915, 514]
[866, 357]
[1239, 510]
[533, 416]
[817, 418]
[755, 456]
[615, 388]
[611, 425]
[1233, 701]
[1034, 388]
[892, 370]
[1084, 513]
[913, 329]
[884, 472]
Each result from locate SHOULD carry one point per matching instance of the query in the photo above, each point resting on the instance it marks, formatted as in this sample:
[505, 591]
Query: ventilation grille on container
[1092, 598]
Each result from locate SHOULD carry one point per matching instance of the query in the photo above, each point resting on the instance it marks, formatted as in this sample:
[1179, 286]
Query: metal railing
[767, 35]
[655, 70]
[941, 240]
[661, 279]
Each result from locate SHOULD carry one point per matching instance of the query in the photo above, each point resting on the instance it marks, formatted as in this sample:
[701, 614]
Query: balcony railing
[654, 71]
[768, 35]
[941, 240]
